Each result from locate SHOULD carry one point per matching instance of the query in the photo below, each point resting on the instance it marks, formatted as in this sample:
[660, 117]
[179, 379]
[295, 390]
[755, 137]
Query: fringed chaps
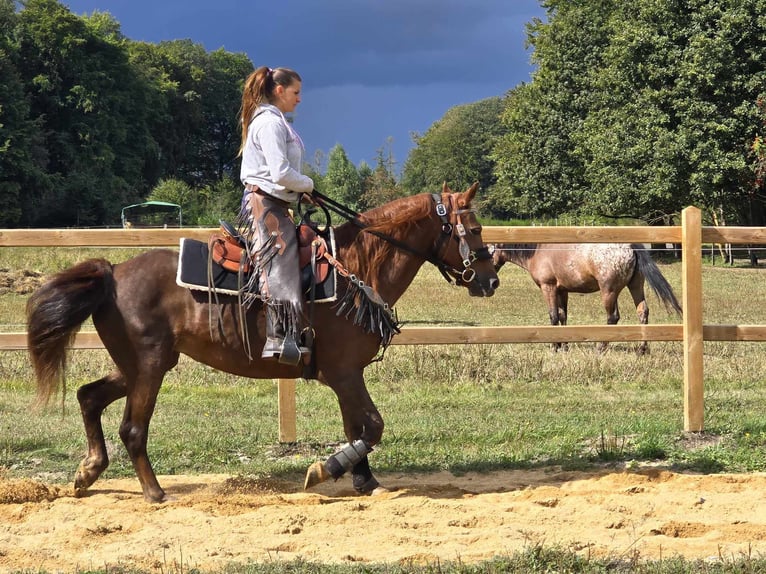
[273, 248]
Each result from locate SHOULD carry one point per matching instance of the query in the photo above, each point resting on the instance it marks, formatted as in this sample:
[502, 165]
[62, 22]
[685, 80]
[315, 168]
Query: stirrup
[286, 351]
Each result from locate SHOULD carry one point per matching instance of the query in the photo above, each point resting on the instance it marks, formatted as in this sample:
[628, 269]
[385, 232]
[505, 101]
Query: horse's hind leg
[636, 287]
[94, 398]
[134, 431]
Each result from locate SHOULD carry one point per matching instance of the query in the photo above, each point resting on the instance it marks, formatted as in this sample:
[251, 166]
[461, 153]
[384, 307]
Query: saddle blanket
[194, 262]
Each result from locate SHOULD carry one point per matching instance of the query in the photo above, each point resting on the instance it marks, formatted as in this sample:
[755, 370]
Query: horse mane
[365, 254]
[522, 251]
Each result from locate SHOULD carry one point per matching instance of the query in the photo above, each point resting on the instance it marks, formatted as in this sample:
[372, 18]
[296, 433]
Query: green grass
[454, 407]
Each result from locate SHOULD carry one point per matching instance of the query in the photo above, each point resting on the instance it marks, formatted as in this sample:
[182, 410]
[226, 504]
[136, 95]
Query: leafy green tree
[538, 173]
[341, 180]
[195, 99]
[90, 108]
[181, 193]
[221, 100]
[636, 109]
[218, 200]
[456, 149]
[197, 129]
[380, 186]
[681, 86]
[20, 138]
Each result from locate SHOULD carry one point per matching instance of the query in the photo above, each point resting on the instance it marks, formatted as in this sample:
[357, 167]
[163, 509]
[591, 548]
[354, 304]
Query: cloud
[373, 71]
[395, 42]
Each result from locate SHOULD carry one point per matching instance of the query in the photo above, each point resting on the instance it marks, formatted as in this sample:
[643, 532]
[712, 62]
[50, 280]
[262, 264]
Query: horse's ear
[445, 188]
[467, 196]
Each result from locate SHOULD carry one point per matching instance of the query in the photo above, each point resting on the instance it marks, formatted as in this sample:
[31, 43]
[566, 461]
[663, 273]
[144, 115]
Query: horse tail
[55, 313]
[656, 279]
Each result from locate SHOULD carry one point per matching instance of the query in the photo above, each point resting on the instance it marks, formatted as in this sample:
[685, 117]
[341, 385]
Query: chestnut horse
[145, 320]
[562, 268]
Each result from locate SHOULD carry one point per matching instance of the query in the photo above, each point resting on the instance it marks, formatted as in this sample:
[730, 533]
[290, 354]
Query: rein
[467, 274]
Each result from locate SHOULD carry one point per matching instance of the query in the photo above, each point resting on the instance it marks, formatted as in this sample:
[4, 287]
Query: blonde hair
[259, 88]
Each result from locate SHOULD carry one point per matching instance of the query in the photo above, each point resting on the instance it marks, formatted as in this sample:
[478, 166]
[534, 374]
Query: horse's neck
[520, 253]
[391, 277]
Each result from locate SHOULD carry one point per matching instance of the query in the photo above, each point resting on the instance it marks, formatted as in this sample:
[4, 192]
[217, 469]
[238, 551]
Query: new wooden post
[286, 391]
[691, 269]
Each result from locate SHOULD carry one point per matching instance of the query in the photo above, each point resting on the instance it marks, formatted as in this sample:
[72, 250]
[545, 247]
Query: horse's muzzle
[483, 288]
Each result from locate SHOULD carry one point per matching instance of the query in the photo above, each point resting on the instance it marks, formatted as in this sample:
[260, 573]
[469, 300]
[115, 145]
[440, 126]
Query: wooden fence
[690, 235]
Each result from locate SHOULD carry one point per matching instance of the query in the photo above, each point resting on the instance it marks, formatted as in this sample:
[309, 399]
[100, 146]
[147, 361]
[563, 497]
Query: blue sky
[373, 72]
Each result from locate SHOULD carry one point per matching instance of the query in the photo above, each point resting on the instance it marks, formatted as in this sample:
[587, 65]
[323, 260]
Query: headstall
[467, 274]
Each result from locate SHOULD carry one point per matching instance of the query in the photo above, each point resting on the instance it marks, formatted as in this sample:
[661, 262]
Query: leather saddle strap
[309, 369]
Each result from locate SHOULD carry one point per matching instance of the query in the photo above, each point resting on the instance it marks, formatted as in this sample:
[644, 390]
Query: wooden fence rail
[690, 235]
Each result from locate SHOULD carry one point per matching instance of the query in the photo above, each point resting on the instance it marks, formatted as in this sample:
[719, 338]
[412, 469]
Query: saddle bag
[228, 252]
[306, 237]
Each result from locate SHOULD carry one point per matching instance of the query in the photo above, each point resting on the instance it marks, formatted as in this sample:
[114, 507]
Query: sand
[645, 513]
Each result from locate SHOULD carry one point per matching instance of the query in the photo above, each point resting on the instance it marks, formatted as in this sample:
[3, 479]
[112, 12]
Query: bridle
[468, 273]
[449, 231]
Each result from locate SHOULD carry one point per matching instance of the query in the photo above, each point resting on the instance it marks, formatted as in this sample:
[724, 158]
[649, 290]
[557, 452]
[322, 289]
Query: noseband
[449, 231]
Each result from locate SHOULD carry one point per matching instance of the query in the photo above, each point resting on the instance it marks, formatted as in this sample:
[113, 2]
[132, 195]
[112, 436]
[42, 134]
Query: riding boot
[279, 345]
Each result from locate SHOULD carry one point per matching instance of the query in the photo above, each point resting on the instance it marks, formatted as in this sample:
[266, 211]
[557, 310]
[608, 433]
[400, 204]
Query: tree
[81, 87]
[178, 192]
[380, 185]
[637, 109]
[219, 200]
[19, 133]
[341, 180]
[677, 108]
[221, 97]
[194, 121]
[538, 174]
[456, 149]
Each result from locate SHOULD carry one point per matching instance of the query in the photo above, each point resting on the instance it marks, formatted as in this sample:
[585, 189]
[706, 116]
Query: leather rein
[455, 231]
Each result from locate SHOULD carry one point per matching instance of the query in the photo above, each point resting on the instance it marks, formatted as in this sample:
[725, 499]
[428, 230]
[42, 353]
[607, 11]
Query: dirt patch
[424, 518]
[19, 282]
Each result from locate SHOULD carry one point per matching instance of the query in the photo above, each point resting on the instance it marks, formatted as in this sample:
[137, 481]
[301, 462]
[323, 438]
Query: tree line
[636, 108]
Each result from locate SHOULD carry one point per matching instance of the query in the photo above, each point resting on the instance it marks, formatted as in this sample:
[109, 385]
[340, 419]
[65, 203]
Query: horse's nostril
[494, 283]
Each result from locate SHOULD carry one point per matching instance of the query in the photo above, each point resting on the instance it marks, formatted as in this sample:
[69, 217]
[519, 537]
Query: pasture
[461, 422]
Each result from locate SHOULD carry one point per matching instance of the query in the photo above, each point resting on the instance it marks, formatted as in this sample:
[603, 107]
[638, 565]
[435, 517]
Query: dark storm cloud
[374, 70]
[397, 42]
[343, 42]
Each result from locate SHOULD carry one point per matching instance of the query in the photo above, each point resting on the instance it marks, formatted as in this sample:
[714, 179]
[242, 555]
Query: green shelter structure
[152, 214]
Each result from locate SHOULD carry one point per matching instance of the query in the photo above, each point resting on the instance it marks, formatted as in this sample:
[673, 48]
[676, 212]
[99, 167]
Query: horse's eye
[476, 230]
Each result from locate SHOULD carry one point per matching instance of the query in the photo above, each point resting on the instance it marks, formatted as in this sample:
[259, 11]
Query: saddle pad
[194, 259]
[193, 269]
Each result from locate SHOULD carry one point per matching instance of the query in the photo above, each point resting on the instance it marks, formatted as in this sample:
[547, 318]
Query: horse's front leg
[609, 299]
[363, 427]
[551, 300]
[562, 304]
[94, 398]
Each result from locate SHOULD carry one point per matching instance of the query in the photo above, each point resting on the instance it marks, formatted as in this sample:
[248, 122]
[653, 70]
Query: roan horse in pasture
[146, 320]
[562, 268]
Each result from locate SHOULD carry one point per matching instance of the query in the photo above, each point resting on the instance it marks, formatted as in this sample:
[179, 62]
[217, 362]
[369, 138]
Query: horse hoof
[82, 481]
[379, 490]
[316, 474]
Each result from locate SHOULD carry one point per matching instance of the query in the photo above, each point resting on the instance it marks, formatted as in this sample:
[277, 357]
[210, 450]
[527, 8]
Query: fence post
[286, 392]
[691, 270]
